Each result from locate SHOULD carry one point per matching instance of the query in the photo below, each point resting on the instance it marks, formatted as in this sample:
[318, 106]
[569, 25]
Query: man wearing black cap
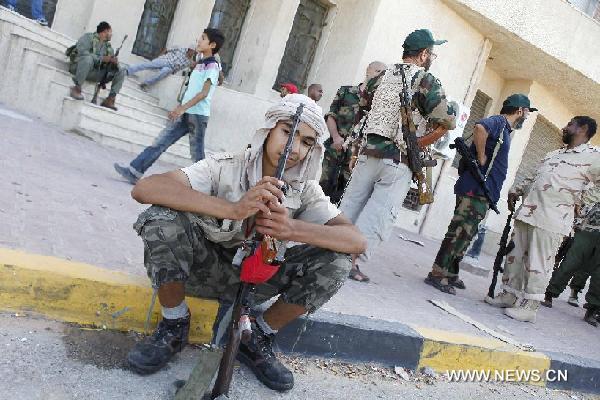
[565, 180]
[490, 146]
[382, 177]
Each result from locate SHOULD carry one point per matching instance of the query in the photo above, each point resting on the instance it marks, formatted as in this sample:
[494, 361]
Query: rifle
[413, 151]
[104, 79]
[502, 251]
[473, 167]
[258, 259]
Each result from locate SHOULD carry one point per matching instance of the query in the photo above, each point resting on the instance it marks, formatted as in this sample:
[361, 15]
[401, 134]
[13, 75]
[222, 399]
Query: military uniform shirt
[382, 100]
[565, 177]
[344, 107]
[223, 176]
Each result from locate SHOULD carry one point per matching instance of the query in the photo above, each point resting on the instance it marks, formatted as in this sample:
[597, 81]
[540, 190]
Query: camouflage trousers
[176, 250]
[333, 183]
[468, 213]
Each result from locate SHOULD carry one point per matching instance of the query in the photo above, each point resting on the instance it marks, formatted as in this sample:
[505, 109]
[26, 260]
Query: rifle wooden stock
[432, 137]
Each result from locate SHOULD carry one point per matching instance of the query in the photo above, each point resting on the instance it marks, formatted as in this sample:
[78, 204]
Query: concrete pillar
[189, 21]
[261, 45]
[72, 17]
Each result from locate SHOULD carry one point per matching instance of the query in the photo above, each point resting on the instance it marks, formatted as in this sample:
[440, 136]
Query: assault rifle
[413, 151]
[105, 72]
[258, 259]
[502, 251]
[473, 167]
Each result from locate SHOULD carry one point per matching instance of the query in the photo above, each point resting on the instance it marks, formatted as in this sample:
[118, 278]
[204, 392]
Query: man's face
[521, 119]
[571, 132]
[283, 92]
[304, 141]
[316, 92]
[190, 53]
[374, 69]
[106, 35]
[427, 58]
[203, 45]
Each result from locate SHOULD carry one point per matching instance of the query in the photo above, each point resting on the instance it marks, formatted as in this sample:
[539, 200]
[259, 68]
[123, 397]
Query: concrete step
[18, 43]
[49, 78]
[119, 131]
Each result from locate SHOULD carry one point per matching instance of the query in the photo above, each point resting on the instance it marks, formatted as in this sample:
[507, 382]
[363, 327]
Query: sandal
[358, 276]
[457, 283]
[436, 282]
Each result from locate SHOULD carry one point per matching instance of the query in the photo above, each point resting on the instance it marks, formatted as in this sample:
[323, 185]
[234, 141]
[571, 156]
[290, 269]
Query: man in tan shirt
[564, 180]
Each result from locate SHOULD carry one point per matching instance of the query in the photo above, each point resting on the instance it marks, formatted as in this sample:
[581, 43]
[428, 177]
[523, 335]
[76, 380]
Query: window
[302, 44]
[228, 16]
[154, 27]
[478, 109]
[544, 138]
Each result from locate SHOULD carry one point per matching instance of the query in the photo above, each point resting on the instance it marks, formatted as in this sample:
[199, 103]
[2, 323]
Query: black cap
[420, 39]
[518, 100]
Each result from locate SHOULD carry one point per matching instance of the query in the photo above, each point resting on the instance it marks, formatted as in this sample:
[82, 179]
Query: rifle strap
[499, 143]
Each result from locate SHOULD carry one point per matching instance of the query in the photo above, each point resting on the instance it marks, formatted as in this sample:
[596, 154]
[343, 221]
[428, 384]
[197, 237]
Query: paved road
[60, 196]
[47, 360]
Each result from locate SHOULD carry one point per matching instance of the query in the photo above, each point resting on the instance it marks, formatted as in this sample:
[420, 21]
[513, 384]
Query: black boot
[258, 355]
[169, 338]
[547, 300]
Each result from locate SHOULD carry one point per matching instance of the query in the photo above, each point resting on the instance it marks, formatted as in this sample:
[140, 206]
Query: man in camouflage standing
[564, 180]
[382, 178]
[340, 119]
[491, 143]
[580, 261]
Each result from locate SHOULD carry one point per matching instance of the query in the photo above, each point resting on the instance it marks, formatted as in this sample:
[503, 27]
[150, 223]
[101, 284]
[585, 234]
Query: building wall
[554, 26]
[492, 84]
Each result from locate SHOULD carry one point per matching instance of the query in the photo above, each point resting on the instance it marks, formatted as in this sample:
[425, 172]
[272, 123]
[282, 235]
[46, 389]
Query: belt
[397, 157]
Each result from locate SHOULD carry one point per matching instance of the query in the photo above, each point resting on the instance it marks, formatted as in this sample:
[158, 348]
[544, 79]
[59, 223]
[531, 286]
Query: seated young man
[202, 213]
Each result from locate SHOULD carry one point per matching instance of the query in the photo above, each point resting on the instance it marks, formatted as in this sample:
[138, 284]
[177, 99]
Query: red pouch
[255, 270]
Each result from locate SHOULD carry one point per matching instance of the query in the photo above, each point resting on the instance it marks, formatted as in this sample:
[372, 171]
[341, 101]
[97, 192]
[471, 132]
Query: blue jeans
[37, 10]
[475, 249]
[193, 124]
[157, 63]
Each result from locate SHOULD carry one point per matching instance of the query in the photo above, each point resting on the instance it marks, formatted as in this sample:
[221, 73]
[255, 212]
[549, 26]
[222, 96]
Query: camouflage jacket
[90, 45]
[590, 222]
[344, 108]
[382, 102]
[564, 178]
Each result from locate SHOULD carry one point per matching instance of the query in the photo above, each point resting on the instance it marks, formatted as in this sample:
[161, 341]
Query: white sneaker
[471, 261]
[526, 311]
[503, 300]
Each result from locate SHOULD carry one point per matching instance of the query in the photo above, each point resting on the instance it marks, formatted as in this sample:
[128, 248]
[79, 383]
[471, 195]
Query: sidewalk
[60, 197]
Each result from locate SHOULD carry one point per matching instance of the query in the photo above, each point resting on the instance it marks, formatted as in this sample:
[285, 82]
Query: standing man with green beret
[382, 178]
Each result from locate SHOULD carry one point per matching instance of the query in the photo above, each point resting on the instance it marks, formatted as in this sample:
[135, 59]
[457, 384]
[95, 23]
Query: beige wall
[456, 59]
[492, 84]
[337, 61]
[190, 19]
[72, 17]
[554, 26]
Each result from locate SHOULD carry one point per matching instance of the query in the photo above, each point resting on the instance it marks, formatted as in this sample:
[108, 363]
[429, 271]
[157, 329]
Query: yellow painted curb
[444, 351]
[85, 294]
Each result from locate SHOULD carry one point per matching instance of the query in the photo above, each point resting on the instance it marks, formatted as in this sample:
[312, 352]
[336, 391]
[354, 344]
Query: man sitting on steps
[87, 58]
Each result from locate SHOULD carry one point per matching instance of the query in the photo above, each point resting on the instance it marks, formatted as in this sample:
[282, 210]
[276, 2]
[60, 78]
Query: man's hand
[106, 59]
[512, 200]
[276, 223]
[176, 113]
[338, 143]
[578, 211]
[267, 190]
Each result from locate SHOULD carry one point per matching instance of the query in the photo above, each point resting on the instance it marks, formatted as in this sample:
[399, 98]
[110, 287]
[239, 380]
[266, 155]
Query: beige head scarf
[310, 167]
